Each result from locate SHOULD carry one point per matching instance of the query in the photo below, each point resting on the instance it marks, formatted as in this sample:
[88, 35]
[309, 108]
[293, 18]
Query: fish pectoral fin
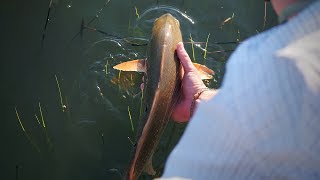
[137, 65]
[203, 71]
[148, 167]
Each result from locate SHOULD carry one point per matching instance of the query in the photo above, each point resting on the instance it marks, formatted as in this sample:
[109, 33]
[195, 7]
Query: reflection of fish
[161, 92]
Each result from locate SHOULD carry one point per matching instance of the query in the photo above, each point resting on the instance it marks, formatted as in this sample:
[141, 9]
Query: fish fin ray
[137, 65]
[203, 71]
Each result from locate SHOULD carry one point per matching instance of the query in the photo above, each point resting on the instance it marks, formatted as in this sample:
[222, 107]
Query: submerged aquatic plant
[25, 132]
[192, 47]
[205, 49]
[130, 118]
[63, 106]
[130, 140]
[42, 119]
[44, 126]
[37, 119]
[137, 14]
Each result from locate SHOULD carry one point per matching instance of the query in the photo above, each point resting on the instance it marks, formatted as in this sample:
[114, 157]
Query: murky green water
[89, 139]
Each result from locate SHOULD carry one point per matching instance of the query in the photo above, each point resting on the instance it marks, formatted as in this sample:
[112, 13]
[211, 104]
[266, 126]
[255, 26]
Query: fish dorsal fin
[137, 65]
[148, 167]
[203, 71]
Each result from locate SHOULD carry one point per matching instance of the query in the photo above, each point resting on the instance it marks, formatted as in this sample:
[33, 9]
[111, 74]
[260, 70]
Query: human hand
[191, 84]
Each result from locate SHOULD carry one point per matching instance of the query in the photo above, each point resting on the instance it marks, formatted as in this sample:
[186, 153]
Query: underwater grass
[37, 119]
[192, 47]
[44, 126]
[129, 113]
[119, 81]
[22, 127]
[205, 49]
[141, 101]
[41, 114]
[60, 94]
[137, 13]
[106, 66]
[25, 132]
[130, 140]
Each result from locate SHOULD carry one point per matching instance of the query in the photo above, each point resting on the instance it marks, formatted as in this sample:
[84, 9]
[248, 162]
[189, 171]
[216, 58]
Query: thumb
[184, 58]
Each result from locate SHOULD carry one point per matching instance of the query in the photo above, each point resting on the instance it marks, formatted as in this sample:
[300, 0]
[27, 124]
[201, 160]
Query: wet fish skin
[161, 91]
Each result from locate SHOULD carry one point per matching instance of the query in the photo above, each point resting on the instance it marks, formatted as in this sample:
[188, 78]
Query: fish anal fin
[137, 65]
[203, 71]
[148, 167]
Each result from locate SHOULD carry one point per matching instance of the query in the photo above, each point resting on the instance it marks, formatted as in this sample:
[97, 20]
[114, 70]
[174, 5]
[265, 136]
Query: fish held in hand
[162, 84]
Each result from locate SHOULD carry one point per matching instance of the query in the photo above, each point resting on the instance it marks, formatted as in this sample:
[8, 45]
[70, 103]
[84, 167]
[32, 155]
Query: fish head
[167, 18]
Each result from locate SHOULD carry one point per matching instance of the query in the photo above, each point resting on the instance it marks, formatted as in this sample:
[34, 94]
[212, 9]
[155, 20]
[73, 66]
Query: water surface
[88, 138]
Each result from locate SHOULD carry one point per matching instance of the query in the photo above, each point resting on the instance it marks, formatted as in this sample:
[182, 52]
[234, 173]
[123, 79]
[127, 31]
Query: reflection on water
[146, 19]
[90, 138]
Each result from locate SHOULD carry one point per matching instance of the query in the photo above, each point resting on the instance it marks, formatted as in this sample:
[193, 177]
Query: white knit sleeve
[263, 124]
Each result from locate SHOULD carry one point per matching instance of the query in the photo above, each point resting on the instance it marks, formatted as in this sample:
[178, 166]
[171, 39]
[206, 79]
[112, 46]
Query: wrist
[206, 95]
[203, 94]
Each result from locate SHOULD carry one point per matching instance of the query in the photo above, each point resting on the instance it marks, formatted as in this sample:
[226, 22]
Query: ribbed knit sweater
[264, 123]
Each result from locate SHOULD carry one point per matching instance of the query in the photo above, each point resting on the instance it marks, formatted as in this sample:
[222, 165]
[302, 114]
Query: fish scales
[161, 92]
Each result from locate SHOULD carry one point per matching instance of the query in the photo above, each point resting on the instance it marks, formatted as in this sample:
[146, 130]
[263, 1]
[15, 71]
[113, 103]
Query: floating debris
[227, 20]
[69, 5]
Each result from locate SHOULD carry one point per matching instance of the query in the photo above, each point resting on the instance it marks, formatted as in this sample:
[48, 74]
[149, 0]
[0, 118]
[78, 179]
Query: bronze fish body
[162, 84]
[161, 91]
